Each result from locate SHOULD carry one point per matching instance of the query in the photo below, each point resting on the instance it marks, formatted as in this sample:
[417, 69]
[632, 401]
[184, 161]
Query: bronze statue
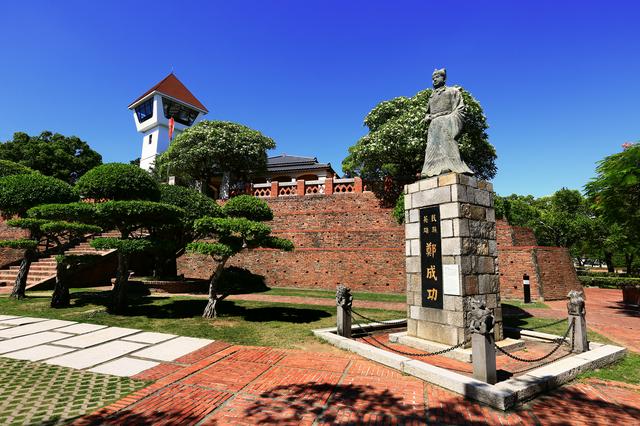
[445, 118]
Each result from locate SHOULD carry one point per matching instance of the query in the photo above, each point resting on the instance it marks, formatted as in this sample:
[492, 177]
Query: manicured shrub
[609, 282]
[194, 203]
[18, 193]
[117, 181]
[249, 207]
[9, 168]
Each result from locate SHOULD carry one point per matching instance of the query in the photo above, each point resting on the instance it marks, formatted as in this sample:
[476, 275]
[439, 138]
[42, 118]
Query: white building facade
[153, 111]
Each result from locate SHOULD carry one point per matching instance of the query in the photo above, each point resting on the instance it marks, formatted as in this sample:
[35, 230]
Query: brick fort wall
[349, 239]
[7, 255]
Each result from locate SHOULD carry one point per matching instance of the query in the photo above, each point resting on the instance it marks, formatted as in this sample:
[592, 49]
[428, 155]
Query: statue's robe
[442, 153]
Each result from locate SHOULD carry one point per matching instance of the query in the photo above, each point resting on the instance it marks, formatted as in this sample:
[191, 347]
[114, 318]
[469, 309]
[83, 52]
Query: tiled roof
[171, 86]
[286, 162]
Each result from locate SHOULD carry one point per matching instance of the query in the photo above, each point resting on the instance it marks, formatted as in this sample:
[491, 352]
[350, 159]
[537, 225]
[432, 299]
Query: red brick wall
[350, 239]
[550, 269]
[343, 238]
[8, 256]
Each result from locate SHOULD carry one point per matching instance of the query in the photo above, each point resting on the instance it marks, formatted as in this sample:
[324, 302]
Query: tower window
[180, 113]
[150, 138]
[145, 110]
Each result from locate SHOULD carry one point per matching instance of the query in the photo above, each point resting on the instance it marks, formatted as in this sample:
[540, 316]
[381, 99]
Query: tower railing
[302, 188]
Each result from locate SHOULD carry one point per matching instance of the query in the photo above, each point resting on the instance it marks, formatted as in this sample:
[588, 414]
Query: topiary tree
[228, 236]
[395, 146]
[213, 148]
[138, 223]
[18, 193]
[9, 168]
[40, 231]
[117, 181]
[195, 205]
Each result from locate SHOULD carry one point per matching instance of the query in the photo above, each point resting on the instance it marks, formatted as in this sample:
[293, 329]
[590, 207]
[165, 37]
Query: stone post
[451, 255]
[344, 300]
[483, 351]
[577, 314]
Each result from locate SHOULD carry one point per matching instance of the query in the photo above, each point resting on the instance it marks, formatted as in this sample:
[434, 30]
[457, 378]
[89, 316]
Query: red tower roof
[171, 86]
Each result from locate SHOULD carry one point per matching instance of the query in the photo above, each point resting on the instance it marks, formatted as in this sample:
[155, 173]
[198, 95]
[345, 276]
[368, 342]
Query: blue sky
[558, 80]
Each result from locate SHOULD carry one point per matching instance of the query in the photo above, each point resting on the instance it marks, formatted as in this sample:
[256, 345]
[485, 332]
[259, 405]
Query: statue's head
[439, 77]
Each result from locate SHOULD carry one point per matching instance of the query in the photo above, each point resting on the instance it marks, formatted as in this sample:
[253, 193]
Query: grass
[240, 322]
[327, 294]
[626, 370]
[520, 304]
[38, 393]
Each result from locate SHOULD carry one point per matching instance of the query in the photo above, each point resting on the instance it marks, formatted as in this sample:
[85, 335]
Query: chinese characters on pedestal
[430, 257]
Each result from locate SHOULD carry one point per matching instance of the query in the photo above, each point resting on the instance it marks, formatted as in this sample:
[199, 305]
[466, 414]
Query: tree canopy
[213, 148]
[52, 154]
[117, 181]
[18, 193]
[224, 237]
[615, 195]
[396, 142]
[9, 168]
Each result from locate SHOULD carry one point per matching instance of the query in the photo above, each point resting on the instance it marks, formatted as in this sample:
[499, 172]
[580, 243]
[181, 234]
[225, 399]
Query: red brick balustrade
[301, 188]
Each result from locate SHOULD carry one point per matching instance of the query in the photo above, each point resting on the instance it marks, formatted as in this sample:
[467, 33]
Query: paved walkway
[238, 385]
[606, 314]
[115, 351]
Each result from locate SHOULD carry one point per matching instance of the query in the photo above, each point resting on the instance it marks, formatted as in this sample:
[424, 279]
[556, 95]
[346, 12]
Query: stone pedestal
[450, 234]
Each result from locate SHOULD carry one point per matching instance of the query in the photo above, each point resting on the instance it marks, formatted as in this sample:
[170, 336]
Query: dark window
[180, 113]
[145, 110]
[150, 138]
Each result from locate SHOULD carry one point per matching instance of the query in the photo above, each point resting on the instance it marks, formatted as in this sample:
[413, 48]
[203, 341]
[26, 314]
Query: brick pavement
[606, 314]
[236, 385]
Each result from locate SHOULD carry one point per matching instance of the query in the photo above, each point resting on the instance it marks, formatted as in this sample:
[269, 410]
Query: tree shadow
[284, 314]
[171, 417]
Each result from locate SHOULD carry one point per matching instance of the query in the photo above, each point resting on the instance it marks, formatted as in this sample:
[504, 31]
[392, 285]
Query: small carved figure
[343, 296]
[445, 118]
[482, 319]
[576, 305]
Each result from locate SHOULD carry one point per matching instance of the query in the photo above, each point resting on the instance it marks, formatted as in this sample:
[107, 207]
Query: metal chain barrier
[459, 345]
[559, 341]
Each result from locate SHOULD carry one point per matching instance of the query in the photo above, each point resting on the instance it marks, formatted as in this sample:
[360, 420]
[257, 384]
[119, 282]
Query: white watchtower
[152, 113]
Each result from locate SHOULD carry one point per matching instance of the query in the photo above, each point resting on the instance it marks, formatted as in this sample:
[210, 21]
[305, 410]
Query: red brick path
[236, 385]
[606, 314]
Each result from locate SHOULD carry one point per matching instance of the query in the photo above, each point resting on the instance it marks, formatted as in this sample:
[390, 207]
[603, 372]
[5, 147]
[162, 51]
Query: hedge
[117, 181]
[609, 282]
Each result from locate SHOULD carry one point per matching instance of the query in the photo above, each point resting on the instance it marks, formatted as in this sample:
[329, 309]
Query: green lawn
[626, 370]
[240, 322]
[327, 294]
[521, 304]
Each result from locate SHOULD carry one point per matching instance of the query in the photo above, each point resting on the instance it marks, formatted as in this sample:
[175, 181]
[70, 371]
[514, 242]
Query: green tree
[18, 193]
[615, 195]
[224, 237]
[9, 168]
[118, 181]
[395, 145]
[141, 223]
[41, 230]
[214, 148]
[52, 154]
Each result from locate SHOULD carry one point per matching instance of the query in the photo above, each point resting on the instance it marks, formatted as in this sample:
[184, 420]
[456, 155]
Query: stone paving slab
[6, 317]
[81, 328]
[21, 320]
[24, 342]
[2, 327]
[173, 349]
[96, 355]
[124, 367]
[149, 337]
[38, 353]
[33, 328]
[97, 337]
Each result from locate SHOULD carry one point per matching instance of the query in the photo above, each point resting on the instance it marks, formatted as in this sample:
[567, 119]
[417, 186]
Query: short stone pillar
[577, 315]
[451, 256]
[483, 351]
[344, 300]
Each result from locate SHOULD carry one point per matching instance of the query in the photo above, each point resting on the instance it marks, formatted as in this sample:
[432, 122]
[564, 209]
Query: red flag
[171, 125]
